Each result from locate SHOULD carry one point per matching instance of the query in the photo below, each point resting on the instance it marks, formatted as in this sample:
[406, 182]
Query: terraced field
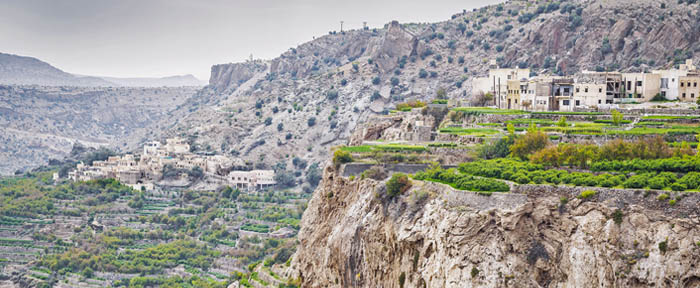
[101, 233]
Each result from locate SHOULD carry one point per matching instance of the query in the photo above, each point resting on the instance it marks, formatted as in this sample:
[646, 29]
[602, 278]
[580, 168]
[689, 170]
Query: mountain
[336, 81]
[170, 81]
[21, 70]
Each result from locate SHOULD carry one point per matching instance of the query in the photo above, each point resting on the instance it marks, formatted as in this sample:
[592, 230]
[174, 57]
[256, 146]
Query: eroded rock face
[230, 76]
[352, 238]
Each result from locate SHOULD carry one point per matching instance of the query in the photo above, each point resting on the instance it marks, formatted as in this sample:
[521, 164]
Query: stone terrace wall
[357, 168]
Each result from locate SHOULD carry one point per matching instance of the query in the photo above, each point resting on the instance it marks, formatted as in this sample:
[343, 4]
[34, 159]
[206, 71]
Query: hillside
[336, 81]
[21, 70]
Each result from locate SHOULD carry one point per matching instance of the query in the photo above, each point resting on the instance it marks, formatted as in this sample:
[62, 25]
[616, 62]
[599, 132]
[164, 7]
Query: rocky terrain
[22, 70]
[312, 96]
[42, 123]
[351, 237]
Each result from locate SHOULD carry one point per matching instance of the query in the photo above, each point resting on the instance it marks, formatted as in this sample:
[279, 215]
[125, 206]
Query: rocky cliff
[435, 236]
[338, 80]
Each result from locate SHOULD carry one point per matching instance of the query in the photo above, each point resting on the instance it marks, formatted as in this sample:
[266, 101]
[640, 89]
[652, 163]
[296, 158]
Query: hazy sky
[152, 38]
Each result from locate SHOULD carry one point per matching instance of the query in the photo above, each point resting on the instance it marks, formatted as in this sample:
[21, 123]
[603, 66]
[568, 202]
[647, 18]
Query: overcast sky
[153, 38]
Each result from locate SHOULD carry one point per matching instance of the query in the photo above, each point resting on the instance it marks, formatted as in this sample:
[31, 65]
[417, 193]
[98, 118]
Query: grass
[668, 117]
[566, 113]
[383, 147]
[484, 110]
[481, 132]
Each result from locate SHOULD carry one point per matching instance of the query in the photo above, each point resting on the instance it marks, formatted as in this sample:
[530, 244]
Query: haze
[155, 38]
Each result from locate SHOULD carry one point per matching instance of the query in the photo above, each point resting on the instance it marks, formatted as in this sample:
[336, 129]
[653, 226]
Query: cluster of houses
[174, 157]
[515, 89]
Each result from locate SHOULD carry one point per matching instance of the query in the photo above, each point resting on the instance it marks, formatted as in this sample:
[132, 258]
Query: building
[688, 88]
[639, 87]
[141, 172]
[563, 94]
[497, 83]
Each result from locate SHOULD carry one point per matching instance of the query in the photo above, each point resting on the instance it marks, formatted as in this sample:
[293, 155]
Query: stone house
[688, 89]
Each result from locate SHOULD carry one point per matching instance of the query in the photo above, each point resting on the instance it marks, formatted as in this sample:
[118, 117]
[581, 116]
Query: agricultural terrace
[101, 233]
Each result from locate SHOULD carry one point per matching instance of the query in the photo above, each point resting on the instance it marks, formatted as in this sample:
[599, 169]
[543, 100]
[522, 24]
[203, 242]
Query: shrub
[394, 81]
[311, 122]
[672, 202]
[662, 197]
[332, 94]
[678, 187]
[376, 80]
[341, 157]
[475, 272]
[268, 121]
[663, 246]
[422, 73]
[586, 194]
[532, 141]
[402, 279]
[398, 184]
[617, 216]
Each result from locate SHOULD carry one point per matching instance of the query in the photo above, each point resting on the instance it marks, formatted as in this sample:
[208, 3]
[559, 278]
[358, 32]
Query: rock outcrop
[435, 236]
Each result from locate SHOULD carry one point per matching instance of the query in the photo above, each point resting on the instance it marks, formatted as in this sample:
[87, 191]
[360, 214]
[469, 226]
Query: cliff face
[352, 238]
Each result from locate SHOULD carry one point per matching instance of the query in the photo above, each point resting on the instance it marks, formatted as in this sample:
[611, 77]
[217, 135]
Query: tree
[311, 122]
[562, 122]
[332, 94]
[268, 121]
[376, 80]
[616, 117]
[533, 140]
[313, 175]
[398, 184]
[441, 94]
[341, 157]
[280, 127]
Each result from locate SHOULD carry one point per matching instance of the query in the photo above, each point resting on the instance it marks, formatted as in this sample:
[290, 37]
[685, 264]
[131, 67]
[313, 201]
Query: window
[639, 83]
[695, 84]
[565, 102]
[600, 90]
[585, 90]
[578, 102]
[692, 95]
[681, 83]
[599, 102]
[577, 89]
[683, 95]
[516, 101]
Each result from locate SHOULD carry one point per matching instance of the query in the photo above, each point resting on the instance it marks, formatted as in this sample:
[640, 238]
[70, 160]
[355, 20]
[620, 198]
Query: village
[173, 160]
[514, 88]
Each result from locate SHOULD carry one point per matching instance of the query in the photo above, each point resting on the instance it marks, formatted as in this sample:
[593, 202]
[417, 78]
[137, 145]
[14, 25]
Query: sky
[156, 38]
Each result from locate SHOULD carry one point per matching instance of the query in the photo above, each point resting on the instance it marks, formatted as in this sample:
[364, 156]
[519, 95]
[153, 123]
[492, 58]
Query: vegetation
[461, 181]
[397, 184]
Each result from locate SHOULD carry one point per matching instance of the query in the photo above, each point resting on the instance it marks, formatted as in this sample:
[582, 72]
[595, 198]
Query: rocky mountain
[21, 70]
[170, 81]
[351, 237]
[39, 123]
[312, 96]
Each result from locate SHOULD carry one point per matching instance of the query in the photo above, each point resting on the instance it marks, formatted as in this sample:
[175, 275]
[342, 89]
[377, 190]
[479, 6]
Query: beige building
[497, 83]
[639, 87]
[688, 89]
[144, 171]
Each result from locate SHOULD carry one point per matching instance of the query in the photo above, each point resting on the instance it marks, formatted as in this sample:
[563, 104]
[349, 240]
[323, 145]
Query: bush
[532, 141]
[617, 216]
[376, 80]
[662, 197]
[398, 184]
[341, 157]
[311, 121]
[663, 246]
[332, 94]
[586, 194]
[268, 121]
[422, 73]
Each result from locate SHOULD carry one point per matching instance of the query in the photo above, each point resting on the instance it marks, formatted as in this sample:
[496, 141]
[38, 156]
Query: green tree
[616, 117]
[398, 184]
[562, 122]
[533, 140]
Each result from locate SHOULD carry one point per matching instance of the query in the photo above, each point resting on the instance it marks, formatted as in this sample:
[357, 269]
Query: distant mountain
[170, 81]
[22, 70]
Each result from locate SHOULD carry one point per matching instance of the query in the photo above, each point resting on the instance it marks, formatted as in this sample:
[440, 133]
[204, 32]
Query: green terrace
[479, 132]
[383, 148]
